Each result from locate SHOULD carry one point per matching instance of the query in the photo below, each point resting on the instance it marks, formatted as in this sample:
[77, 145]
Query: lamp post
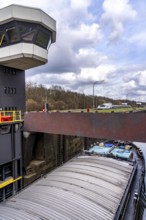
[96, 82]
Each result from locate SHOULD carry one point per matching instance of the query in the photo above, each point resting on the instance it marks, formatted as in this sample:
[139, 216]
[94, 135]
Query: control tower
[25, 34]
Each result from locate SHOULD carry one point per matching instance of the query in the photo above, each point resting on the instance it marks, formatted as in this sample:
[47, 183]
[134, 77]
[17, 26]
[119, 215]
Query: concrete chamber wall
[43, 152]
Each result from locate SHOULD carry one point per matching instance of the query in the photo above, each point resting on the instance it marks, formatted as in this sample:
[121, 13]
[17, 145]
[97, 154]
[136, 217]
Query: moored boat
[101, 183]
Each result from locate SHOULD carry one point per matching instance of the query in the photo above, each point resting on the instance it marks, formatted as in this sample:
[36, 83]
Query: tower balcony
[23, 56]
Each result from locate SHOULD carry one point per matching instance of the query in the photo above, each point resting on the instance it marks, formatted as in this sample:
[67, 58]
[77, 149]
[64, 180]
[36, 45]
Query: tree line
[60, 99]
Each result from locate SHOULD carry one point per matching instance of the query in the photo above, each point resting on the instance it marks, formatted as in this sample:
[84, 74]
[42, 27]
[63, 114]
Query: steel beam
[121, 126]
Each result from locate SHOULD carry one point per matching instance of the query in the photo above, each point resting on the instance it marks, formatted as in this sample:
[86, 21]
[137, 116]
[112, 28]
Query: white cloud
[90, 34]
[115, 14]
[138, 38]
[90, 58]
[142, 78]
[81, 55]
[80, 4]
[131, 85]
[121, 10]
[100, 73]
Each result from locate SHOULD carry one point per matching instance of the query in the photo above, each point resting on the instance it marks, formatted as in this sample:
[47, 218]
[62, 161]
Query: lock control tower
[25, 35]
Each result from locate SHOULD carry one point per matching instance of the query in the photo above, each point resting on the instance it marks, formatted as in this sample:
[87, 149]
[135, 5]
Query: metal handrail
[10, 116]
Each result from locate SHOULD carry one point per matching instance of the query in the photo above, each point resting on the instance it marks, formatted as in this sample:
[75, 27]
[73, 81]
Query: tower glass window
[20, 31]
[12, 34]
[42, 39]
[27, 31]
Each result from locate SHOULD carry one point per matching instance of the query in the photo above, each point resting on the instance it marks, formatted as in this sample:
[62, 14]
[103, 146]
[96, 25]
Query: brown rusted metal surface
[122, 126]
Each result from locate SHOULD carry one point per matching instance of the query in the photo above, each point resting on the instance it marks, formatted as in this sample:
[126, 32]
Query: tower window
[27, 31]
[42, 39]
[19, 31]
[12, 34]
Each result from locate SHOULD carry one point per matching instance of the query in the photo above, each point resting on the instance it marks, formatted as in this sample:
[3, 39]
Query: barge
[105, 182]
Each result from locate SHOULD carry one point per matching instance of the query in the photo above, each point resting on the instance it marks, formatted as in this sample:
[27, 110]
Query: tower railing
[10, 116]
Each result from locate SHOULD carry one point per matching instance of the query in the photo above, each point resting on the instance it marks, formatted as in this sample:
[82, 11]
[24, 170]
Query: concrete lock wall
[43, 152]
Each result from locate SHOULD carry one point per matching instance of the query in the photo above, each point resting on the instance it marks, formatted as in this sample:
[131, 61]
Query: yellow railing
[9, 181]
[10, 116]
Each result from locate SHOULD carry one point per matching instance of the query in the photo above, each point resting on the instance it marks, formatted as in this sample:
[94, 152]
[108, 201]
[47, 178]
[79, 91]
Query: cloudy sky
[96, 40]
